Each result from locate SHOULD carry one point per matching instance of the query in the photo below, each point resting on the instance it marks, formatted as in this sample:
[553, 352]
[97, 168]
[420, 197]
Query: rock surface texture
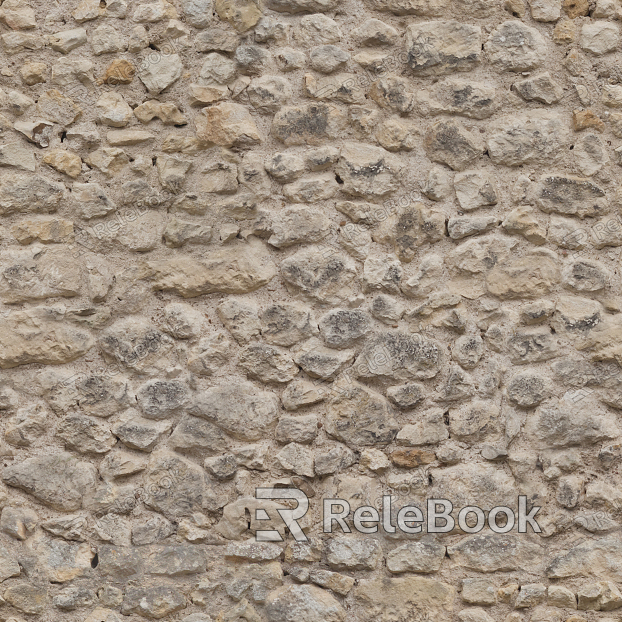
[362, 248]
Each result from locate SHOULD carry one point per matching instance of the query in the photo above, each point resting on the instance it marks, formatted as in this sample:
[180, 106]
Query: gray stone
[135, 432]
[321, 362]
[85, 435]
[323, 275]
[288, 323]
[439, 48]
[342, 328]
[565, 423]
[367, 171]
[267, 364]
[308, 124]
[242, 410]
[541, 88]
[60, 480]
[514, 46]
[359, 416]
[424, 557]
[448, 142]
[570, 196]
[308, 602]
[160, 399]
[399, 356]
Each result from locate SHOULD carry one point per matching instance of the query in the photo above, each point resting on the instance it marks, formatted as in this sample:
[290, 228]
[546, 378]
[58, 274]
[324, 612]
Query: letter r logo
[289, 517]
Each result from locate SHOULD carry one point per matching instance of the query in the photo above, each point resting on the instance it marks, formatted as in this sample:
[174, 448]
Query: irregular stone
[153, 602]
[19, 523]
[459, 97]
[310, 602]
[424, 557]
[288, 323]
[571, 196]
[395, 597]
[537, 138]
[527, 389]
[439, 48]
[448, 142]
[541, 88]
[27, 598]
[235, 269]
[514, 46]
[368, 172]
[322, 275]
[320, 362]
[59, 480]
[242, 411]
[565, 423]
[359, 416]
[309, 124]
[29, 194]
[39, 335]
[341, 328]
[85, 435]
[159, 76]
[585, 276]
[530, 276]
[599, 37]
[136, 432]
[399, 356]
[267, 364]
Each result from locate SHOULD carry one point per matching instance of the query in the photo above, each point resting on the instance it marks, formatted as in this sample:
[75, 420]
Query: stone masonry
[363, 248]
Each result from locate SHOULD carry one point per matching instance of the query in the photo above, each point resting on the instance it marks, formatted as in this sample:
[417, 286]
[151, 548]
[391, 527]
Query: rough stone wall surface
[361, 248]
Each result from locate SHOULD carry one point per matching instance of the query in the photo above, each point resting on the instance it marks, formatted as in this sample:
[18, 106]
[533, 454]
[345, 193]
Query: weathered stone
[235, 269]
[439, 48]
[19, 523]
[527, 277]
[566, 423]
[395, 597]
[425, 557]
[27, 598]
[59, 480]
[267, 364]
[514, 46]
[460, 97]
[136, 432]
[85, 435]
[537, 138]
[287, 324]
[323, 275]
[494, 553]
[359, 416]
[230, 407]
[177, 487]
[568, 195]
[599, 37]
[321, 362]
[399, 356]
[541, 88]
[307, 601]
[448, 142]
[308, 124]
[153, 602]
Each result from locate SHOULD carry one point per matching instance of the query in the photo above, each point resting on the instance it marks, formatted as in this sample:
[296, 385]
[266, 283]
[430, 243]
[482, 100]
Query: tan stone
[227, 125]
[64, 162]
[585, 119]
[236, 269]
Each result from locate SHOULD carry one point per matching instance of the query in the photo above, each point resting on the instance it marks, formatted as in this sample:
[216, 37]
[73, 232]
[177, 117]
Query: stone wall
[361, 248]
